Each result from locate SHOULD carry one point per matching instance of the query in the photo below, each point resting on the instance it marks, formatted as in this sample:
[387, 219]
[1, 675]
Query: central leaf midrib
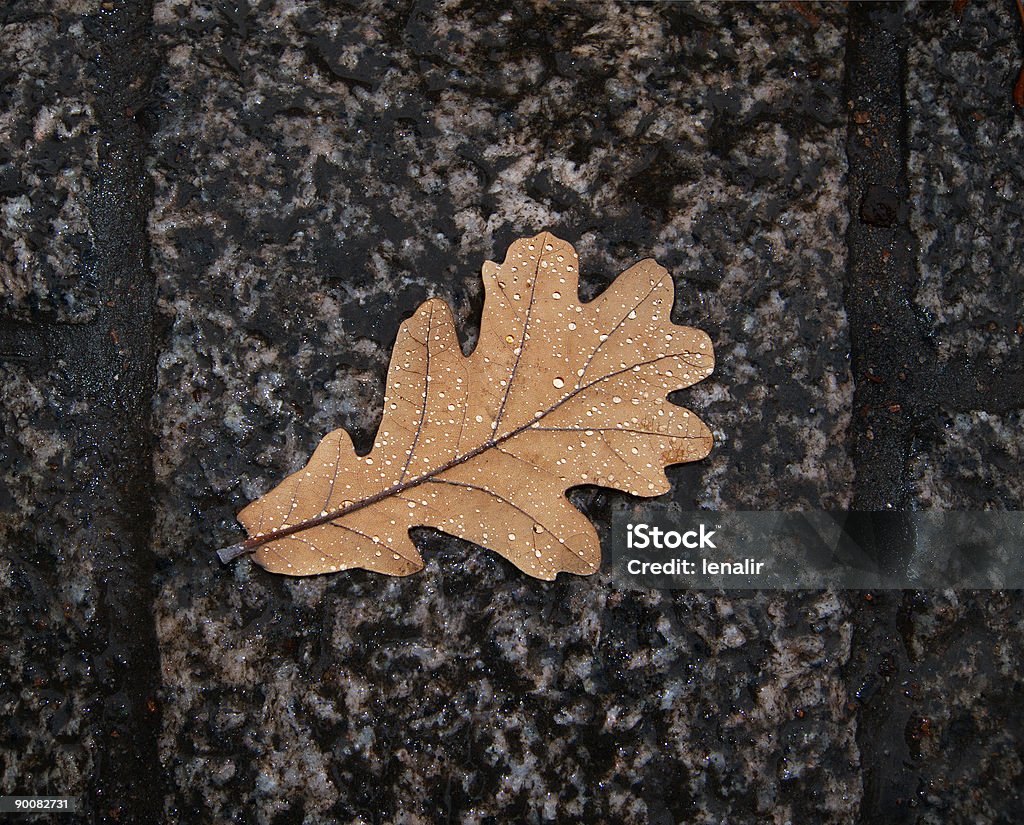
[256, 541]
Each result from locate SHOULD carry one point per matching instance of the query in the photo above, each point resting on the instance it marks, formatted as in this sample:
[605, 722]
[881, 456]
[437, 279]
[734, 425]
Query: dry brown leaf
[557, 393]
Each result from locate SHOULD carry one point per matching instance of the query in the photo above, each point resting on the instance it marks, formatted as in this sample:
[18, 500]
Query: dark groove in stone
[108, 369]
[892, 358]
[892, 367]
[22, 342]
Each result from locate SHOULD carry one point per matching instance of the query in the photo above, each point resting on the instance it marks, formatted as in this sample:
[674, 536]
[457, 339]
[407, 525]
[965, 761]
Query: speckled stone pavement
[300, 177]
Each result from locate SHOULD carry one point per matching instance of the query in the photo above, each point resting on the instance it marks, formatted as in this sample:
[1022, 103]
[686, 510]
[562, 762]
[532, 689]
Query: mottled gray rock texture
[318, 174]
[313, 172]
[959, 657]
[968, 217]
[48, 157]
[80, 661]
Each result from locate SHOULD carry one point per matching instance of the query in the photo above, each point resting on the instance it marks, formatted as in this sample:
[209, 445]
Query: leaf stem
[229, 554]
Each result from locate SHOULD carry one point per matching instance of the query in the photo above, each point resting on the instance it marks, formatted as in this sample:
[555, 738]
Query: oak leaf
[556, 394]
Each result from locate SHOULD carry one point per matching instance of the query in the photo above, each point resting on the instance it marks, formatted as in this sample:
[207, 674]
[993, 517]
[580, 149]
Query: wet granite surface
[61, 484]
[317, 172]
[962, 670]
[48, 156]
[341, 167]
[968, 225]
